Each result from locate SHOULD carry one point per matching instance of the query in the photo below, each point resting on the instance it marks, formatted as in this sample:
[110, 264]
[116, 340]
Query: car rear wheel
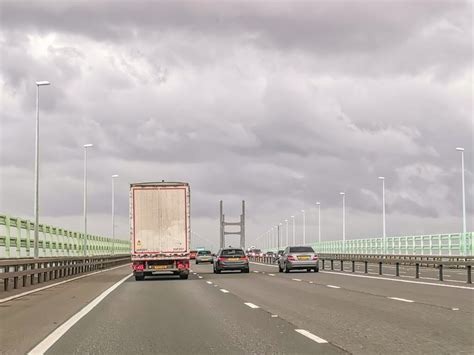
[279, 268]
[197, 262]
[246, 271]
[308, 270]
[286, 269]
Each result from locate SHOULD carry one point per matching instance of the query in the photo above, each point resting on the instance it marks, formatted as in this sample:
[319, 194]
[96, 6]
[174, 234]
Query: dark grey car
[231, 259]
[298, 258]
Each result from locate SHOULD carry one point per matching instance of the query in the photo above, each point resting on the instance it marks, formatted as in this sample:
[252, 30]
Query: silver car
[298, 258]
[204, 256]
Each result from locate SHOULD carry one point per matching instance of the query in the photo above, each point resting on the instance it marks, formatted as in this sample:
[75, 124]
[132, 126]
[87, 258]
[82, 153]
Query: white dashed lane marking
[332, 286]
[311, 336]
[271, 274]
[209, 282]
[251, 305]
[401, 299]
[224, 290]
[296, 280]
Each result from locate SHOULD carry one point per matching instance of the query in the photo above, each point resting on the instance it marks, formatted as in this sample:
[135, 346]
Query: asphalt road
[212, 313]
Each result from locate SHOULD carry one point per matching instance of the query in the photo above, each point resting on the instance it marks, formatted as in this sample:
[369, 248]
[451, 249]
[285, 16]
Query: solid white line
[455, 309]
[209, 282]
[332, 286]
[311, 282]
[311, 336]
[274, 315]
[401, 299]
[57, 283]
[271, 274]
[387, 279]
[251, 305]
[296, 280]
[52, 338]
[224, 291]
[255, 271]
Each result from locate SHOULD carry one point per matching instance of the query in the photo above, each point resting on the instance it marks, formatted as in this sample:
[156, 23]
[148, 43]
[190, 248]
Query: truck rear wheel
[139, 277]
[183, 276]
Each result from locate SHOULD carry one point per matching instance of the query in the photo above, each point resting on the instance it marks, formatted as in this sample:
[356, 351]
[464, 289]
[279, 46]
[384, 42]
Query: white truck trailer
[160, 228]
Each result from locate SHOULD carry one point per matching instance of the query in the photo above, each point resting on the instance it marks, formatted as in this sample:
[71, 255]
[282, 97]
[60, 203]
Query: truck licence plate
[158, 267]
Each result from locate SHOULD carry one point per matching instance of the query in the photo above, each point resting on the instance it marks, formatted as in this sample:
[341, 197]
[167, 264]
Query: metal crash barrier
[26, 272]
[439, 262]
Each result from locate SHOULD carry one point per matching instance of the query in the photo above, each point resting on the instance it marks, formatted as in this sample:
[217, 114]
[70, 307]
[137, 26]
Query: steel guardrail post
[417, 270]
[342, 265]
[323, 264]
[332, 264]
[397, 269]
[380, 268]
[366, 267]
[469, 274]
[440, 268]
[353, 266]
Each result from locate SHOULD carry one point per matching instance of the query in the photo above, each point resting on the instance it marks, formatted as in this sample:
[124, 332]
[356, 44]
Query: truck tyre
[197, 262]
[246, 271]
[316, 269]
[139, 277]
[183, 276]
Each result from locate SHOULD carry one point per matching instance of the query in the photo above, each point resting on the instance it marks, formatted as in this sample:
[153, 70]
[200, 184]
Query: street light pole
[304, 227]
[36, 207]
[343, 221]
[113, 212]
[85, 196]
[383, 215]
[293, 218]
[464, 227]
[286, 222]
[278, 239]
[319, 221]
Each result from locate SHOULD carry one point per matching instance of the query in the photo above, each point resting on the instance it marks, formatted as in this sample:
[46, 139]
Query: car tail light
[291, 257]
[315, 257]
[244, 258]
[220, 259]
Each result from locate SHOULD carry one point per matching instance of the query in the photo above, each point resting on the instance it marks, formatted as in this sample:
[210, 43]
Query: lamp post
[286, 222]
[343, 221]
[464, 227]
[319, 221]
[113, 212]
[85, 196]
[383, 215]
[304, 227]
[36, 207]
[278, 239]
[293, 219]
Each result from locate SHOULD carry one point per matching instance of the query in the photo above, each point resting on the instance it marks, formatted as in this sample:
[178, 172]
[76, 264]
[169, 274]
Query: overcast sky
[279, 103]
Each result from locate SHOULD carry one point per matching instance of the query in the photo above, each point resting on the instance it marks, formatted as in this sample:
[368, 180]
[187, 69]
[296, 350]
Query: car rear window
[301, 250]
[232, 252]
[204, 252]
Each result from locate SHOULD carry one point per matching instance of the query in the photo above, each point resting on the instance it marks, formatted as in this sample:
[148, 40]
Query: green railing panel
[17, 240]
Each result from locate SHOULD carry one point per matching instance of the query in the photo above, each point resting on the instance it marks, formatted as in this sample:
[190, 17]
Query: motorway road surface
[211, 313]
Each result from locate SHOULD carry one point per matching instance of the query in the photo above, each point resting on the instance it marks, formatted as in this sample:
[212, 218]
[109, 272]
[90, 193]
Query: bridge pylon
[223, 224]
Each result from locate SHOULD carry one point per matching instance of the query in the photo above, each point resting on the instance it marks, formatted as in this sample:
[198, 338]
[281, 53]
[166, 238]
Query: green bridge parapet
[17, 241]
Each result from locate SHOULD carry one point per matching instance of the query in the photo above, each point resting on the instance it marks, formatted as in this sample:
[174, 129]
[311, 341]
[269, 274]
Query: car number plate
[303, 258]
[233, 259]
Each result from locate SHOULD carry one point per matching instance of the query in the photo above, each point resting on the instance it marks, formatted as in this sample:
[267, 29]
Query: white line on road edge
[271, 274]
[224, 291]
[332, 286]
[255, 271]
[296, 279]
[274, 315]
[387, 279]
[455, 309]
[200, 277]
[401, 299]
[209, 282]
[56, 284]
[311, 336]
[52, 338]
[251, 305]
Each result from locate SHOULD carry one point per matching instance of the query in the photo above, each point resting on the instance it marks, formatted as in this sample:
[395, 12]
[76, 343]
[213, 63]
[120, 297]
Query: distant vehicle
[204, 256]
[297, 258]
[254, 252]
[231, 259]
[269, 254]
[192, 254]
[159, 223]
